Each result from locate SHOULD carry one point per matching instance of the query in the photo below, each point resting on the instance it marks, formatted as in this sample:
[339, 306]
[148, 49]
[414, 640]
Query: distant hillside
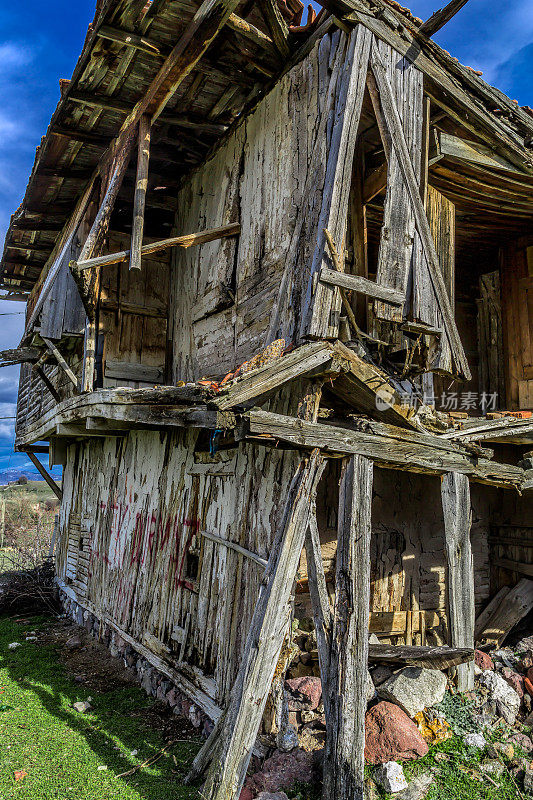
[13, 474]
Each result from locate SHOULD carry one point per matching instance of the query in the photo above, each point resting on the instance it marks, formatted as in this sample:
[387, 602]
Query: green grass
[61, 750]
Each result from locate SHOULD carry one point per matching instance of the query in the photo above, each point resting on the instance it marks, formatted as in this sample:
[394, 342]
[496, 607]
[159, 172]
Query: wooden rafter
[439, 19]
[279, 30]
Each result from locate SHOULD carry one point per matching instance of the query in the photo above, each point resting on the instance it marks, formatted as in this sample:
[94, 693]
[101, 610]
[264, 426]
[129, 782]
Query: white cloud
[14, 55]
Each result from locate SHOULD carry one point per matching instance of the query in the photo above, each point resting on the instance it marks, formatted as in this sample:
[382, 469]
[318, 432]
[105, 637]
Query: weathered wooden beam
[236, 736]
[259, 382]
[61, 361]
[250, 32]
[322, 615]
[455, 491]
[439, 19]
[453, 147]
[48, 383]
[19, 355]
[357, 283]
[320, 300]
[397, 137]
[188, 240]
[262, 562]
[429, 657]
[348, 669]
[129, 39]
[279, 30]
[386, 445]
[44, 473]
[141, 185]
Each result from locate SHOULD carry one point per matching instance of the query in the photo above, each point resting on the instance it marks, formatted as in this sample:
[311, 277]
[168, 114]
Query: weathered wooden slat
[129, 39]
[261, 381]
[188, 240]
[399, 143]
[237, 547]
[429, 657]
[512, 608]
[439, 19]
[472, 153]
[235, 739]
[398, 229]
[279, 30]
[391, 447]
[358, 284]
[141, 185]
[488, 611]
[348, 670]
[322, 615]
[250, 32]
[321, 300]
[455, 491]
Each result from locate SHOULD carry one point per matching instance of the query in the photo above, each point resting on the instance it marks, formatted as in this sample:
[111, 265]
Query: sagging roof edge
[388, 20]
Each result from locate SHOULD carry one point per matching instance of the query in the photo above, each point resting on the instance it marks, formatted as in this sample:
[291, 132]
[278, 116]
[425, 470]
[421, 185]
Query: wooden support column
[141, 185]
[48, 478]
[231, 744]
[348, 670]
[455, 492]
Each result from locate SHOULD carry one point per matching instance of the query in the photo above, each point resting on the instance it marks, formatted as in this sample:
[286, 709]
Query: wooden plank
[44, 474]
[322, 615]
[129, 39]
[122, 370]
[259, 382]
[428, 657]
[188, 240]
[483, 619]
[399, 143]
[141, 185]
[358, 284]
[455, 493]
[398, 229]
[61, 361]
[439, 19]
[513, 607]
[348, 671]
[279, 30]
[321, 300]
[515, 566]
[388, 446]
[472, 153]
[250, 32]
[237, 547]
[235, 737]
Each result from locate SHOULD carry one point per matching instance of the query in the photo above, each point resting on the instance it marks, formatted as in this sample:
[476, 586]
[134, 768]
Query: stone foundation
[152, 681]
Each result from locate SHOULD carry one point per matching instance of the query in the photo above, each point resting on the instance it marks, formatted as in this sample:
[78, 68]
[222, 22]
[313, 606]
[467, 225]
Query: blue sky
[40, 42]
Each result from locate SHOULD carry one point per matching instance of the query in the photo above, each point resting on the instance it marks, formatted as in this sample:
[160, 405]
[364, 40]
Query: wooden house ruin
[279, 334]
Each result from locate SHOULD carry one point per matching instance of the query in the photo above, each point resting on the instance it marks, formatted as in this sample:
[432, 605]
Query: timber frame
[238, 248]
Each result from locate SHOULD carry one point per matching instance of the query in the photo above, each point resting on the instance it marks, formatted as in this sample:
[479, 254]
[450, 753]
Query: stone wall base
[152, 681]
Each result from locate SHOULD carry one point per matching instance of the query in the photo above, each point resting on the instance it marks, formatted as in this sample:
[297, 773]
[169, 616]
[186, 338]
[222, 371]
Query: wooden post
[234, 740]
[141, 185]
[455, 493]
[347, 686]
